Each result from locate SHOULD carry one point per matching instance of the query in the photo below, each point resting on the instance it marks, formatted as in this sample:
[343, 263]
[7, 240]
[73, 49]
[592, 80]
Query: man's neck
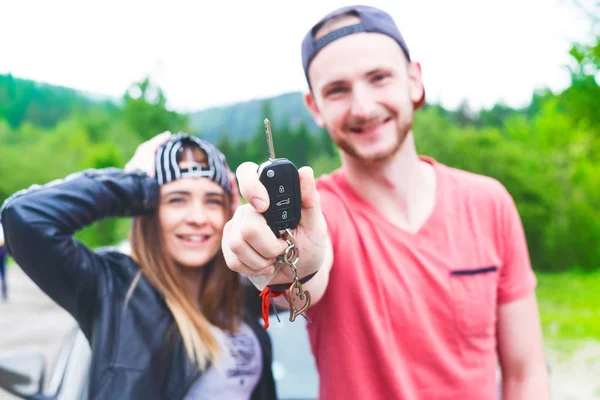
[402, 189]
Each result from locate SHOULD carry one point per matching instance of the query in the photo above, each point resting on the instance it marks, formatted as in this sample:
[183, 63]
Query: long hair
[220, 302]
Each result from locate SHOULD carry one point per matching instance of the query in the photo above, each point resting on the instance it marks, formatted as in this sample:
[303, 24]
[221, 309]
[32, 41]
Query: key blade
[270, 139]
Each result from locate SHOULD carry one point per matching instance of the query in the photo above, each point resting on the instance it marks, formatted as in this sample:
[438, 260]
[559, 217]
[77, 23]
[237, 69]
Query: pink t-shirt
[412, 316]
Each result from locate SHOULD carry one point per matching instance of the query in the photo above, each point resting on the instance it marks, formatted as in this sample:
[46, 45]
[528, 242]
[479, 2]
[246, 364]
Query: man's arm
[521, 351]
[520, 343]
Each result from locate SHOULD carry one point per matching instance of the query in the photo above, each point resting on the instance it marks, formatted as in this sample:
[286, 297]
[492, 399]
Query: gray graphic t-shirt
[237, 374]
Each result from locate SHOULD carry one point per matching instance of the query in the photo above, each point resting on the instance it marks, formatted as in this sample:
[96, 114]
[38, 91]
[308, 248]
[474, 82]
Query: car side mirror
[22, 373]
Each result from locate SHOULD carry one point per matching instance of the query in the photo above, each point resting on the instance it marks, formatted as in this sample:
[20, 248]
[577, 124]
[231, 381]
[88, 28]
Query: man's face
[364, 92]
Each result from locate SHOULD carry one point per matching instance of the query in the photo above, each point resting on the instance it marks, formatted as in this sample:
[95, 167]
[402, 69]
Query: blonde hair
[220, 302]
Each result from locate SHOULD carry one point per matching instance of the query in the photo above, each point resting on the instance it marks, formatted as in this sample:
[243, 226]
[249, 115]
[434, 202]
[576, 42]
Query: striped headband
[167, 162]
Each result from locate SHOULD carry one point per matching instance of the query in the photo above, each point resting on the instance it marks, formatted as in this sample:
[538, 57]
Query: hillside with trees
[547, 154]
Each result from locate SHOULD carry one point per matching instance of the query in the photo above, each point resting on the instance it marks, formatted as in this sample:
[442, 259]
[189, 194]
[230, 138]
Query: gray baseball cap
[371, 20]
[167, 162]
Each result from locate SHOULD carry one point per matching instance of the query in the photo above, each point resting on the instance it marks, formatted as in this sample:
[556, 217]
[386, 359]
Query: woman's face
[192, 214]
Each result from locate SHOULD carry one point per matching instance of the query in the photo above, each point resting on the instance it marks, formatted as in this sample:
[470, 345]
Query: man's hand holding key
[250, 246]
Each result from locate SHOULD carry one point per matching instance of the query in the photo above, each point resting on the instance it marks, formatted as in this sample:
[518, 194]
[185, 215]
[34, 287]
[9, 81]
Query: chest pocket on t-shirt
[474, 293]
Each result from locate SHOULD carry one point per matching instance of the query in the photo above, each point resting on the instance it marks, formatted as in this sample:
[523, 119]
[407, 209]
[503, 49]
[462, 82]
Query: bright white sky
[206, 53]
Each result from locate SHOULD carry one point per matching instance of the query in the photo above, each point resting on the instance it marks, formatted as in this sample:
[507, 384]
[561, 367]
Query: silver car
[22, 372]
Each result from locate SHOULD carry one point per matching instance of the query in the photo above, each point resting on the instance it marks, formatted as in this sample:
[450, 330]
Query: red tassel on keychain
[266, 303]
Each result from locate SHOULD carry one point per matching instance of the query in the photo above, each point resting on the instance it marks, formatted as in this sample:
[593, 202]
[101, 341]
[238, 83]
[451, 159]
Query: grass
[569, 305]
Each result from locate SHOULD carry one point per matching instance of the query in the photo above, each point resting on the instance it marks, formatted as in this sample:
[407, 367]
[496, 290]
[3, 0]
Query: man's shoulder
[330, 180]
[472, 185]
[331, 183]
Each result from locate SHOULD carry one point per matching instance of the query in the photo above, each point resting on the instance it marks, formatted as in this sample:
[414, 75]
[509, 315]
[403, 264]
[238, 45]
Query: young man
[419, 273]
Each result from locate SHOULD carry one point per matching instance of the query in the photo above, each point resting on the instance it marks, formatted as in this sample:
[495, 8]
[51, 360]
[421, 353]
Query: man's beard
[351, 148]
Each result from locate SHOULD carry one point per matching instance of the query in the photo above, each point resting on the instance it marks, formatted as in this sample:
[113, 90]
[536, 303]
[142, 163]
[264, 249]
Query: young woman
[170, 320]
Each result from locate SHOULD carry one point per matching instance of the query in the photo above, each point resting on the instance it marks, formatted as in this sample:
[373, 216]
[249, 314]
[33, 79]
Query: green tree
[145, 111]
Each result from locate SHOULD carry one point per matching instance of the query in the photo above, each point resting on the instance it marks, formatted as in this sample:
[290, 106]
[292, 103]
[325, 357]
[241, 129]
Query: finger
[238, 254]
[242, 268]
[236, 265]
[248, 256]
[252, 240]
[151, 148]
[259, 236]
[235, 194]
[156, 140]
[160, 139]
[245, 270]
[250, 186]
[310, 199]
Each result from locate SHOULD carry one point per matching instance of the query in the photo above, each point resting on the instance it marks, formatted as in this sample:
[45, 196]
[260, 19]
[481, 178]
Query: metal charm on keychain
[290, 257]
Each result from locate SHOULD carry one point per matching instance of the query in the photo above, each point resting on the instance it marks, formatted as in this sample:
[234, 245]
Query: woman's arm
[39, 224]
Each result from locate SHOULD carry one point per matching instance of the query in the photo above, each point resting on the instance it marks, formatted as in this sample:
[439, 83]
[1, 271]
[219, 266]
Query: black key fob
[282, 181]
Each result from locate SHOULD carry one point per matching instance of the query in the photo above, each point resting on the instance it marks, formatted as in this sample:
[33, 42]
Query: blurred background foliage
[547, 154]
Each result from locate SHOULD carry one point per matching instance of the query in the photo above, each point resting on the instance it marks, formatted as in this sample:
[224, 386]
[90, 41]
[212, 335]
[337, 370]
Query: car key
[282, 181]
[280, 178]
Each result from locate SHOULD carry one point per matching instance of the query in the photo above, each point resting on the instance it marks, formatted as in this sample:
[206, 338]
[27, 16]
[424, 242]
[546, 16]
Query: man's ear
[311, 104]
[416, 88]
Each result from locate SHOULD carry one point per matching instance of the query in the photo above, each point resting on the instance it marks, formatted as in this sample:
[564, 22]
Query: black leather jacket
[137, 351]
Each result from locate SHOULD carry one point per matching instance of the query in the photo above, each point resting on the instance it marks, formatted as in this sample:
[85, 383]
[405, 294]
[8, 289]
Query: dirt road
[575, 371]
[31, 321]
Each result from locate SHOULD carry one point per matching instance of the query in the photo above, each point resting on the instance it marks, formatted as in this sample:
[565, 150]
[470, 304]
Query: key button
[279, 188]
[281, 214]
[280, 202]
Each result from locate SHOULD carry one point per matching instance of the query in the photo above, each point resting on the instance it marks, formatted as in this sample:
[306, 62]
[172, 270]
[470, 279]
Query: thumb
[235, 194]
[311, 202]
